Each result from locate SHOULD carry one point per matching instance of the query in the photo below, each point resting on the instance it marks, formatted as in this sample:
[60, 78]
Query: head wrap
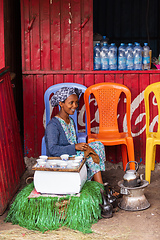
[62, 94]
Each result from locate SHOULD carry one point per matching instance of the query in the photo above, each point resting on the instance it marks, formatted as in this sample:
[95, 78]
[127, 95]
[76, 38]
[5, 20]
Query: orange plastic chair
[107, 97]
[152, 138]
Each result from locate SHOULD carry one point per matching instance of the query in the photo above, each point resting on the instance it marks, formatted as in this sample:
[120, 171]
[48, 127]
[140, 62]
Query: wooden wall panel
[25, 19]
[57, 35]
[87, 34]
[39, 110]
[23, 35]
[29, 115]
[55, 15]
[66, 20]
[144, 81]
[2, 57]
[45, 34]
[34, 30]
[76, 35]
[11, 155]
[119, 78]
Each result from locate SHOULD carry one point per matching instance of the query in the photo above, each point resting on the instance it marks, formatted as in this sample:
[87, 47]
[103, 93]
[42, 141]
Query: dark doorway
[128, 21]
[12, 35]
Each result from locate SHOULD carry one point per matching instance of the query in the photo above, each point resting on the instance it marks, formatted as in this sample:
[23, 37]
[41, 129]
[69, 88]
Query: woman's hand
[81, 146]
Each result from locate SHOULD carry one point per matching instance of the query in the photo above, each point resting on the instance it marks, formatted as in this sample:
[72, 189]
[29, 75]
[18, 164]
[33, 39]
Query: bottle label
[105, 63]
[121, 63]
[97, 63]
[130, 63]
[137, 60]
[146, 60]
[113, 63]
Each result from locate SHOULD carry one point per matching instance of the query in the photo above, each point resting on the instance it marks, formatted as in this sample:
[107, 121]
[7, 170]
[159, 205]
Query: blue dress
[60, 138]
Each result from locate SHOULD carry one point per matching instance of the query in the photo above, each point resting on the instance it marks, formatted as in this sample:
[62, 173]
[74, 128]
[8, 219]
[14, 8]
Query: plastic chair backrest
[155, 88]
[55, 88]
[107, 97]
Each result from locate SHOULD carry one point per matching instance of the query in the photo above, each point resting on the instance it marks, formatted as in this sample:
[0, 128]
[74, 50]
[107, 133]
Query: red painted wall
[2, 57]
[11, 155]
[35, 85]
[57, 46]
[57, 34]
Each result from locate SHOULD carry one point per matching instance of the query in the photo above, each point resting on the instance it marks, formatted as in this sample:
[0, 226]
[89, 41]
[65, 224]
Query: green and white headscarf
[62, 94]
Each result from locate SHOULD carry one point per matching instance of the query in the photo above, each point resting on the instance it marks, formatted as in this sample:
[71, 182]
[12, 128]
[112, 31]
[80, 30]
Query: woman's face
[70, 104]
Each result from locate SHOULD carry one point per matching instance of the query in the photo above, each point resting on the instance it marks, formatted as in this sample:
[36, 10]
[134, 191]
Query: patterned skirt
[92, 167]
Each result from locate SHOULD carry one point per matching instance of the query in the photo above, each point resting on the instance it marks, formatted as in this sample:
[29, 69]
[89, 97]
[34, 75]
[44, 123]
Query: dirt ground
[124, 225]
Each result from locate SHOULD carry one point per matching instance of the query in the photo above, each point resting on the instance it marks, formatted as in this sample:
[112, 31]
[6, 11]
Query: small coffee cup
[52, 163]
[43, 157]
[74, 165]
[64, 157]
[42, 164]
[63, 165]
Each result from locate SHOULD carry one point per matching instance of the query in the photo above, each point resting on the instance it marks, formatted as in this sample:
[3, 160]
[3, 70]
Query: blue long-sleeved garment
[57, 144]
[56, 140]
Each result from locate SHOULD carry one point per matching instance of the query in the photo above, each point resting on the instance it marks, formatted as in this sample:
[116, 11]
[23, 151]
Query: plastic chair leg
[43, 147]
[124, 156]
[82, 137]
[130, 148]
[149, 159]
[153, 158]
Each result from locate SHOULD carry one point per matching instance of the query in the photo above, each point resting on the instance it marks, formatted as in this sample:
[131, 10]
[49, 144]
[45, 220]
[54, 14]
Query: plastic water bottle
[129, 57]
[112, 55]
[121, 57]
[146, 57]
[103, 40]
[137, 57]
[104, 57]
[97, 57]
[159, 59]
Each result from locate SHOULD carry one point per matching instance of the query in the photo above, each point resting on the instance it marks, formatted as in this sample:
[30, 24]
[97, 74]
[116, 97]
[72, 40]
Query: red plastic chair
[107, 97]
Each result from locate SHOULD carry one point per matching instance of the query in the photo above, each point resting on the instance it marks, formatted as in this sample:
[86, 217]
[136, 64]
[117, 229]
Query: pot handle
[141, 176]
[136, 168]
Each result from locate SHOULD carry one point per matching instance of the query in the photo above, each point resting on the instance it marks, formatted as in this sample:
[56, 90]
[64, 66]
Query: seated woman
[60, 134]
